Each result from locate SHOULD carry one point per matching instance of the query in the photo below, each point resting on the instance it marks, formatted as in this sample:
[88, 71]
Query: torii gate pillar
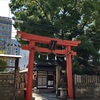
[30, 72]
[69, 74]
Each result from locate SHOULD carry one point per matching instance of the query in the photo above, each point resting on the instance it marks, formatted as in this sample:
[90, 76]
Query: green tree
[64, 19]
[3, 62]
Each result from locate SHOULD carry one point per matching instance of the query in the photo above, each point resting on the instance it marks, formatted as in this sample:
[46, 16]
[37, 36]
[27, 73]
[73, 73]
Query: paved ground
[44, 96]
[51, 96]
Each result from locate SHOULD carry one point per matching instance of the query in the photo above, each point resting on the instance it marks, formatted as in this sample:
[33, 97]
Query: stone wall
[7, 86]
[87, 87]
[12, 88]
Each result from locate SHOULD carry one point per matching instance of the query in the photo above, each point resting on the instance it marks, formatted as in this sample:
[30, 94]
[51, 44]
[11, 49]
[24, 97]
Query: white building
[13, 48]
[23, 62]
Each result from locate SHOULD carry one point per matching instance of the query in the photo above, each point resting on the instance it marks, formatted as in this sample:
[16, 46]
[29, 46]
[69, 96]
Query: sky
[5, 12]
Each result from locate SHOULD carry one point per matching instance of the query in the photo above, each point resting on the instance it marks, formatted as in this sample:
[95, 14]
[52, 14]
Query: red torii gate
[46, 40]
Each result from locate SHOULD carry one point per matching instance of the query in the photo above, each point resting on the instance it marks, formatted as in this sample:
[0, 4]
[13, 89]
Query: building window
[42, 81]
[50, 80]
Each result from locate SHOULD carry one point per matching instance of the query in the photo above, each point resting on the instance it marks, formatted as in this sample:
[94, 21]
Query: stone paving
[51, 96]
[44, 96]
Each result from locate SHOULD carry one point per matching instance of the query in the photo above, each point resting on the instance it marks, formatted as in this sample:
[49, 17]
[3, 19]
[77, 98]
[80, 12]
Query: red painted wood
[30, 72]
[69, 74]
[26, 47]
[45, 40]
[46, 50]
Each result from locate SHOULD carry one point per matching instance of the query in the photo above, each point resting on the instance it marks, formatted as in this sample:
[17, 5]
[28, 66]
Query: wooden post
[30, 72]
[57, 78]
[16, 73]
[69, 73]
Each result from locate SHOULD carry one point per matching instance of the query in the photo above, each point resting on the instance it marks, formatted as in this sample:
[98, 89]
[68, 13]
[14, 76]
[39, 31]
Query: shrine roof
[47, 63]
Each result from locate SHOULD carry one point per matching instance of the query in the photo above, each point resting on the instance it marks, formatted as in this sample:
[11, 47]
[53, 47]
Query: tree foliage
[3, 62]
[65, 19]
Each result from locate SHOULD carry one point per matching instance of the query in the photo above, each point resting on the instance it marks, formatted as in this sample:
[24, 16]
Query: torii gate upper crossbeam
[46, 40]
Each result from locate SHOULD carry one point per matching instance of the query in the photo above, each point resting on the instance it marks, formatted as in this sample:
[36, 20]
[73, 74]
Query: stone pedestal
[62, 93]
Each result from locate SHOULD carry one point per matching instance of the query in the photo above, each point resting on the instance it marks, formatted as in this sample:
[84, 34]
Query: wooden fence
[86, 79]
